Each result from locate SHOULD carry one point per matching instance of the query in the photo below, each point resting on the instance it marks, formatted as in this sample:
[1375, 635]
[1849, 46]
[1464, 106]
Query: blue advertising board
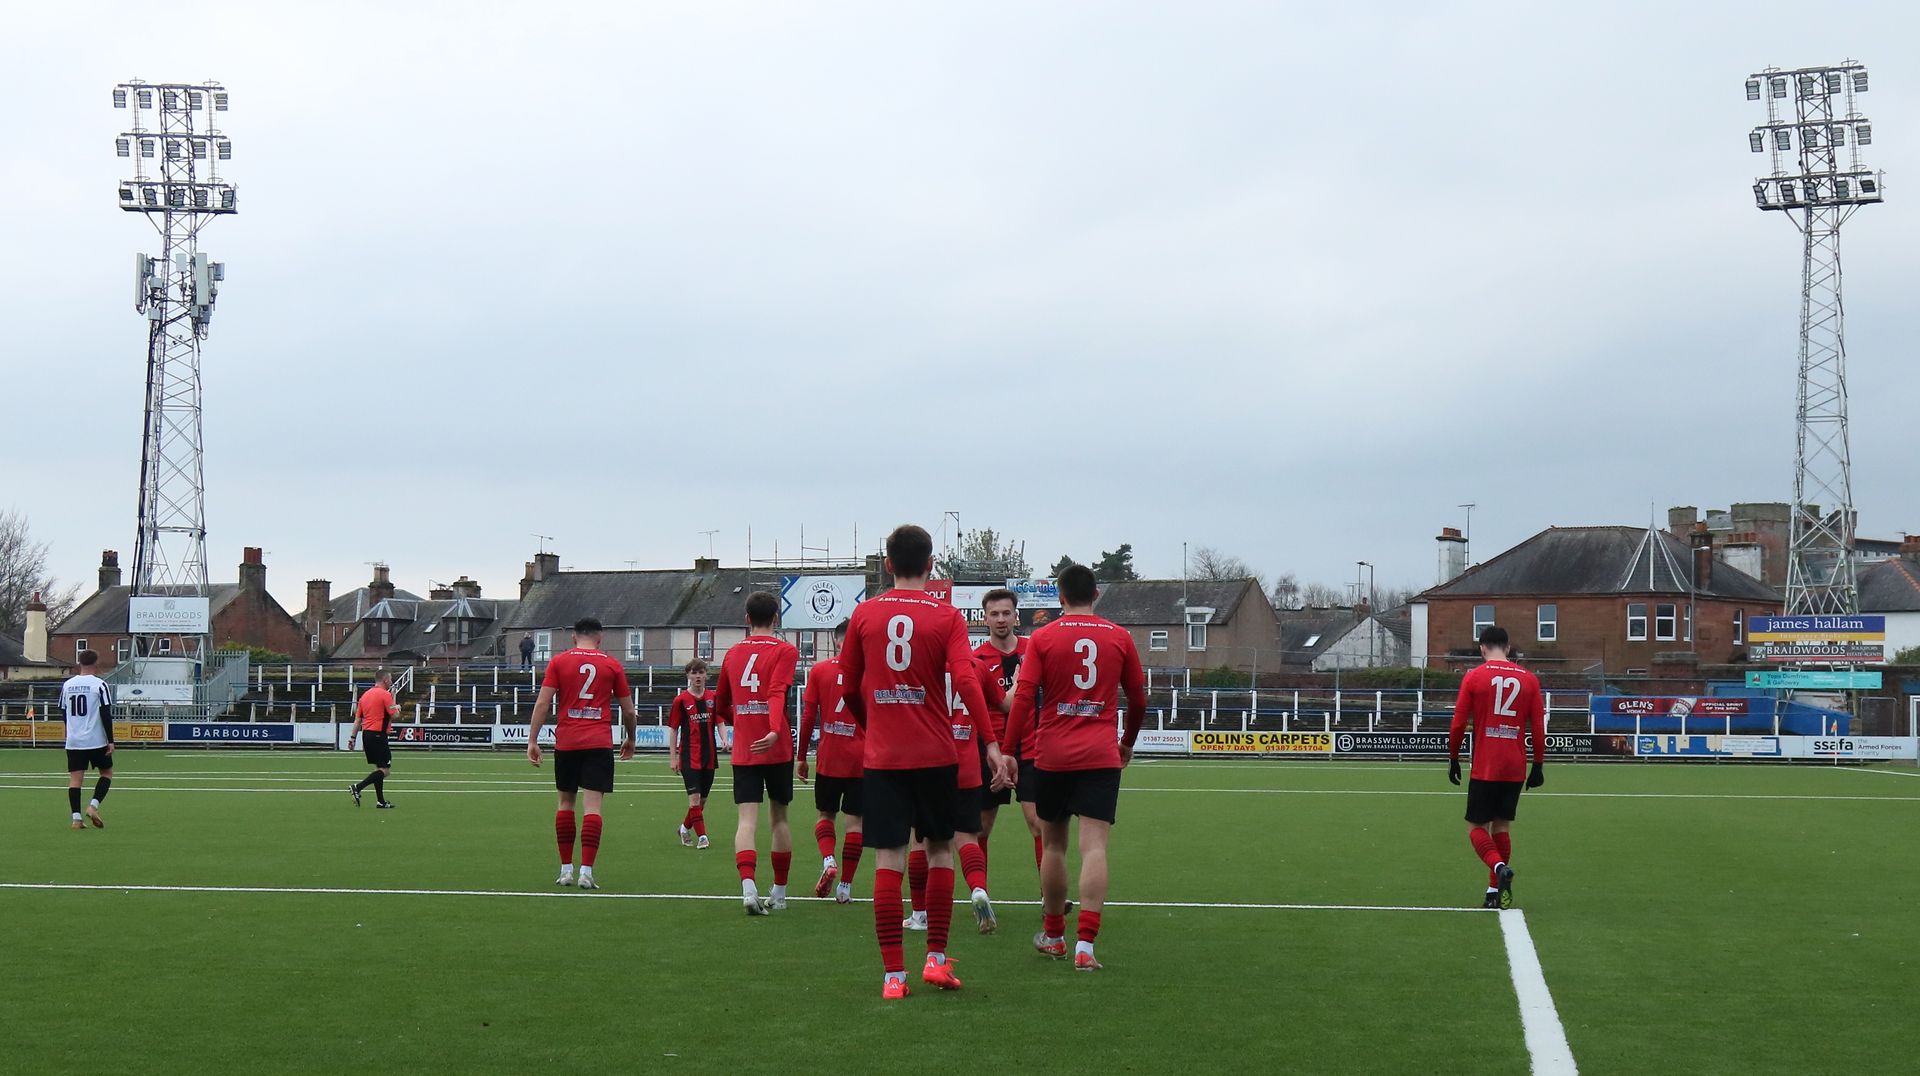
[1785, 679]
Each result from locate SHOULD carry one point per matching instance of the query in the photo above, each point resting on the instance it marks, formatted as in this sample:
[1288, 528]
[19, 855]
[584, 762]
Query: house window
[1197, 628]
[1312, 641]
[1156, 640]
[1689, 622]
[383, 633]
[809, 645]
[1547, 623]
[636, 645]
[703, 645]
[543, 646]
[1739, 627]
[1482, 619]
[78, 645]
[166, 646]
[462, 632]
[123, 649]
[1637, 622]
[1666, 622]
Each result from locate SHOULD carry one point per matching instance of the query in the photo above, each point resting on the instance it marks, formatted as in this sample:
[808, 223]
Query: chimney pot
[253, 569]
[1681, 520]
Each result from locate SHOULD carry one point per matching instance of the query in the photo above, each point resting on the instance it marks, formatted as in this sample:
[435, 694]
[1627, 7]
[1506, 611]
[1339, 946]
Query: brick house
[243, 613]
[1196, 624]
[329, 620]
[1610, 596]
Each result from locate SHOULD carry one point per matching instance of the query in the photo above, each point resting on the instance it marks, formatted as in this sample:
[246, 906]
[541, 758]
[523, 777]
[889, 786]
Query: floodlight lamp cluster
[1814, 135]
[173, 128]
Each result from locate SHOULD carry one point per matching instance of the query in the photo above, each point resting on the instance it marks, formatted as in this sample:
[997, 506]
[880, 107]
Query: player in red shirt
[695, 752]
[1002, 653]
[901, 648]
[1077, 665]
[842, 776]
[755, 678]
[584, 685]
[980, 761]
[1503, 702]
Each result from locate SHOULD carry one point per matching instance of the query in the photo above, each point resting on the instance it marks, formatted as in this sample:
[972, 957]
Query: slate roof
[420, 626]
[351, 606]
[13, 655]
[1305, 633]
[1891, 586]
[1399, 623]
[1159, 602]
[105, 611]
[636, 599]
[1600, 560]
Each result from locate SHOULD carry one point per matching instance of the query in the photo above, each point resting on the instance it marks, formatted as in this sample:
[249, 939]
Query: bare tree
[1322, 596]
[987, 550]
[1285, 593]
[1207, 562]
[23, 573]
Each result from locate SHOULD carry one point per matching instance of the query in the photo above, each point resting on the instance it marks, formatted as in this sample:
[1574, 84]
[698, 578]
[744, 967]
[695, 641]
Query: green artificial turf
[1688, 919]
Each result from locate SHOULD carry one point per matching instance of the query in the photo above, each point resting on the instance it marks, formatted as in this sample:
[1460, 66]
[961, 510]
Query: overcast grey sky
[1278, 278]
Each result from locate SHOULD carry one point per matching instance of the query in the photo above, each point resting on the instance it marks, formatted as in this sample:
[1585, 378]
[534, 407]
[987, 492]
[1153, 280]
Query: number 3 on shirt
[1506, 691]
[1089, 653]
[899, 643]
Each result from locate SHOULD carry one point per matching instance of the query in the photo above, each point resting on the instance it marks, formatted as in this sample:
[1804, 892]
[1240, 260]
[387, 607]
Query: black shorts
[901, 803]
[1488, 800]
[698, 782]
[768, 781]
[966, 809]
[95, 757]
[375, 746]
[840, 795]
[1025, 786]
[1060, 794]
[591, 769]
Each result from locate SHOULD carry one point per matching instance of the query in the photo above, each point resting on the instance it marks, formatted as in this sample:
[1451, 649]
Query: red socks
[823, 836]
[973, 863]
[744, 863]
[698, 819]
[886, 918]
[589, 839]
[563, 833]
[917, 879]
[687, 821]
[1053, 926]
[850, 856]
[939, 908]
[781, 861]
[1038, 848]
[1089, 926]
[1484, 847]
[1504, 842]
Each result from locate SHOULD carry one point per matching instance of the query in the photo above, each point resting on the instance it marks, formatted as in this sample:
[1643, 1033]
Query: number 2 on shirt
[1506, 691]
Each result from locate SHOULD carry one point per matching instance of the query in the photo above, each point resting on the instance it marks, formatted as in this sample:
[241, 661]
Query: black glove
[1538, 777]
[1453, 770]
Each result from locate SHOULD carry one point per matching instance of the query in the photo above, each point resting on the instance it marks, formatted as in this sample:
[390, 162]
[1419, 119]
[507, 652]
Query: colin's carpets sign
[1262, 743]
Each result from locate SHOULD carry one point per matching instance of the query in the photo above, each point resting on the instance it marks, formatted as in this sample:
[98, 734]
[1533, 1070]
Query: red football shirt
[752, 697]
[1079, 664]
[699, 749]
[586, 685]
[823, 706]
[900, 648]
[1004, 669]
[970, 731]
[1503, 701]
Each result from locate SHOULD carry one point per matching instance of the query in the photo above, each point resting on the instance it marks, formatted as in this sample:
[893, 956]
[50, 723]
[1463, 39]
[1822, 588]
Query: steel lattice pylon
[1814, 133]
[176, 291]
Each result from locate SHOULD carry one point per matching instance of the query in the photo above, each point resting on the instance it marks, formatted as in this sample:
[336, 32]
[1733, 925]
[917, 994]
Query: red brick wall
[252, 619]
[1593, 628]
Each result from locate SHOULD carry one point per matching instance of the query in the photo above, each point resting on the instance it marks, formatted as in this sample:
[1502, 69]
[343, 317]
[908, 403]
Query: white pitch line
[1546, 1039]
[1889, 773]
[604, 895]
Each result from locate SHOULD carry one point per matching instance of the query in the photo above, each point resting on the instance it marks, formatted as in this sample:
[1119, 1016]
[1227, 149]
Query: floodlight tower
[1814, 135]
[177, 149]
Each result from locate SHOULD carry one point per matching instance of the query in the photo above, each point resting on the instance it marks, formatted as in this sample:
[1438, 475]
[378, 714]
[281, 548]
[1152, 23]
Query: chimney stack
[1910, 547]
[34, 644]
[1702, 557]
[1453, 554]
[319, 604]
[1744, 551]
[382, 586]
[109, 569]
[546, 565]
[1681, 520]
[706, 564]
[253, 569]
[440, 594]
[465, 588]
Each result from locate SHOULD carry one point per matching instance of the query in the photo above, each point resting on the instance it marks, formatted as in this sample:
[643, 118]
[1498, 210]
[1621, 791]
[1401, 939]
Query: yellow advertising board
[16, 731]
[140, 732]
[1262, 743]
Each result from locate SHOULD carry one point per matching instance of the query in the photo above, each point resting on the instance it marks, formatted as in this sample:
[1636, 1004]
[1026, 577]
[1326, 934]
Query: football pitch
[239, 914]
